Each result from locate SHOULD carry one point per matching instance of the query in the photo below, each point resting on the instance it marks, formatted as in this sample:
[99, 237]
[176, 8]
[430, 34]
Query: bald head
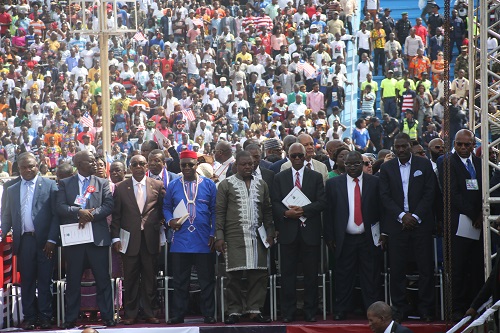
[90, 330]
[288, 141]
[331, 146]
[223, 151]
[382, 310]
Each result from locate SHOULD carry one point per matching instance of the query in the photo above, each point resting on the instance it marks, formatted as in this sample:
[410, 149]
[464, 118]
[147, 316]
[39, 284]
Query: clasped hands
[409, 222]
[294, 212]
[85, 216]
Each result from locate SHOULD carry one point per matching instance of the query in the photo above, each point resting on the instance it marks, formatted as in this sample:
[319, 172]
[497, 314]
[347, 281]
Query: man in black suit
[353, 208]
[172, 162]
[30, 211]
[266, 174]
[17, 102]
[287, 142]
[380, 319]
[98, 205]
[407, 195]
[466, 207]
[299, 238]
[331, 147]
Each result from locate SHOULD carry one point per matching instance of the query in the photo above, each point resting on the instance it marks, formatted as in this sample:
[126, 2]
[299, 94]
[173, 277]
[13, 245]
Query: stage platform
[195, 325]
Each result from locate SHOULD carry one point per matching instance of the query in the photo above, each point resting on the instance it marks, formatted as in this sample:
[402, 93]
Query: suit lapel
[16, 193]
[149, 195]
[397, 174]
[73, 186]
[37, 192]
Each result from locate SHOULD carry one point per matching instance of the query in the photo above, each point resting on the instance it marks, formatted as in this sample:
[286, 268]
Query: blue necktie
[471, 170]
[86, 182]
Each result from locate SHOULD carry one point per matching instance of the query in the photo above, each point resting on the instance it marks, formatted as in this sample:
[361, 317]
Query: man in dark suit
[466, 207]
[266, 174]
[353, 208]
[158, 169]
[380, 319]
[299, 238]
[172, 162]
[98, 204]
[331, 147]
[407, 195]
[138, 210]
[30, 211]
[287, 142]
[17, 102]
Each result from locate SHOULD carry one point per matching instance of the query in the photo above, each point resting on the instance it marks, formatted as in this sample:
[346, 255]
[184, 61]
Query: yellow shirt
[378, 38]
[53, 45]
[400, 85]
[389, 86]
[373, 84]
[92, 72]
[244, 58]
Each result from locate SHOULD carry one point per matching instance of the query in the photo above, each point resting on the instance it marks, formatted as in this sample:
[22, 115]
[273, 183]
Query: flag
[86, 120]
[189, 114]
[306, 67]
[197, 21]
[139, 36]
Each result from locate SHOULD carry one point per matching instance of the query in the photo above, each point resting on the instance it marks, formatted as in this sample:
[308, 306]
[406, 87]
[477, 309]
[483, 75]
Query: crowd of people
[219, 111]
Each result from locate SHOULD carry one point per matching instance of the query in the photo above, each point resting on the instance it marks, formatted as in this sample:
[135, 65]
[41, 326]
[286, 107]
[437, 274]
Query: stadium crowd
[219, 110]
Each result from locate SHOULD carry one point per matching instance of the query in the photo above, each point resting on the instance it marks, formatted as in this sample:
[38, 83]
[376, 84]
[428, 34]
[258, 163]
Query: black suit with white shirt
[299, 239]
[354, 247]
[467, 254]
[409, 188]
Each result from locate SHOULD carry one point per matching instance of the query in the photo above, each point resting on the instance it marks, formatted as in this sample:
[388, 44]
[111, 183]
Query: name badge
[471, 184]
[80, 200]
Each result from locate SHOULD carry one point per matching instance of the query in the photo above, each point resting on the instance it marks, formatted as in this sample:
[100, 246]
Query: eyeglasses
[294, 156]
[136, 164]
[367, 163]
[463, 144]
[437, 147]
[188, 165]
[354, 165]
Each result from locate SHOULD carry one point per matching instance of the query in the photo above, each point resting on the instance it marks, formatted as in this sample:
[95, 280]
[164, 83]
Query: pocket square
[417, 173]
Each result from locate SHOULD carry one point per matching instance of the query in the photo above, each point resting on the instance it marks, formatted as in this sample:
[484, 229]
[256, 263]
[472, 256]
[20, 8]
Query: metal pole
[472, 56]
[103, 48]
[483, 12]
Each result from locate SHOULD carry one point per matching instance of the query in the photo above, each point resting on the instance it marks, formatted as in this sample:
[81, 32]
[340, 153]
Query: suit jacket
[101, 200]
[398, 328]
[127, 216]
[290, 82]
[420, 194]
[268, 177]
[313, 188]
[265, 164]
[173, 163]
[13, 106]
[490, 288]
[337, 212]
[317, 165]
[276, 166]
[45, 218]
[6, 185]
[328, 165]
[463, 201]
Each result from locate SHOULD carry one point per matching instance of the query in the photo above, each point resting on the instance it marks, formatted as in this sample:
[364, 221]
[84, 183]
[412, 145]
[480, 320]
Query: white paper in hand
[124, 240]
[263, 236]
[181, 212]
[466, 229]
[296, 198]
[376, 233]
[71, 234]
[160, 137]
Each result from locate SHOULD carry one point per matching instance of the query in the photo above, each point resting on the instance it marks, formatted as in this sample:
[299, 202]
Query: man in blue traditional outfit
[244, 205]
[193, 240]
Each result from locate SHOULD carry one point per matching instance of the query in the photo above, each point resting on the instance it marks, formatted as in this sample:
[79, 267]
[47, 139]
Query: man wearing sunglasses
[466, 209]
[193, 240]
[138, 210]
[299, 237]
[353, 208]
[407, 190]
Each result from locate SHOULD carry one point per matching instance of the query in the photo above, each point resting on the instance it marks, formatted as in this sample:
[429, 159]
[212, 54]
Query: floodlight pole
[103, 49]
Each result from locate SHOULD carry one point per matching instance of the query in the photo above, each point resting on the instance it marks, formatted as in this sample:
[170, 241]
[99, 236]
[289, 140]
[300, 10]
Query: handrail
[479, 321]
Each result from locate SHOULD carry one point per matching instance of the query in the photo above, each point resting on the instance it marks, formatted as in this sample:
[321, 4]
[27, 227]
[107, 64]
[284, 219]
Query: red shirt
[5, 21]
[422, 32]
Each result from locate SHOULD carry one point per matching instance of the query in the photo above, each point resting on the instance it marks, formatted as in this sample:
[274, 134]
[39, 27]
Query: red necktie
[308, 165]
[297, 180]
[358, 216]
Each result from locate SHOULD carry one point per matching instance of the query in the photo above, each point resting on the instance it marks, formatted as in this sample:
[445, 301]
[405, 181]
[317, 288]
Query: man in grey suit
[287, 80]
[30, 211]
[96, 206]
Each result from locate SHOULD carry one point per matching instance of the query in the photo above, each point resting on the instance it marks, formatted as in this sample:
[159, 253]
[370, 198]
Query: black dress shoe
[109, 323]
[175, 320]
[259, 318]
[28, 325]
[129, 321]
[209, 320]
[232, 319]
[287, 320]
[310, 319]
[69, 325]
[339, 316]
[45, 324]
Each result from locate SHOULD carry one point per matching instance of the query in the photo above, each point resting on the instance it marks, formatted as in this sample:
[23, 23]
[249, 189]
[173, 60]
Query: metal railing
[476, 324]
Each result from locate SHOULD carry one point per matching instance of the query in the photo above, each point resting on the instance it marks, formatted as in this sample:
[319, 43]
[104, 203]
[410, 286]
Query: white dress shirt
[352, 227]
[27, 219]
[301, 175]
[404, 170]
[80, 182]
[143, 184]
[464, 161]
[389, 328]
[257, 173]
